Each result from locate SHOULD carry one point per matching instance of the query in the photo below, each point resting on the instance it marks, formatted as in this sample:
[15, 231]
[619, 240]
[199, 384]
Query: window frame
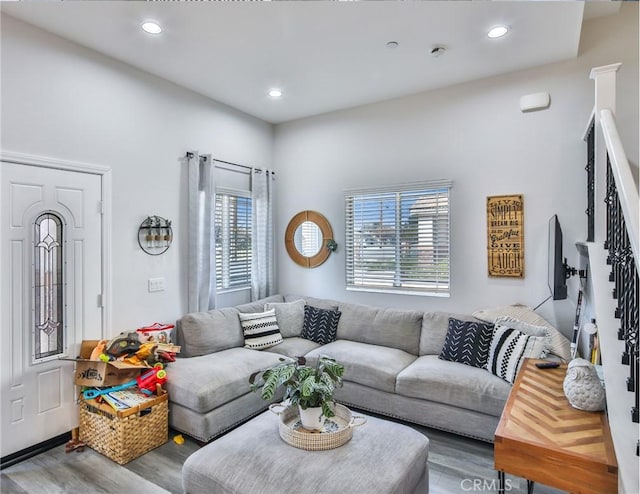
[397, 281]
[221, 275]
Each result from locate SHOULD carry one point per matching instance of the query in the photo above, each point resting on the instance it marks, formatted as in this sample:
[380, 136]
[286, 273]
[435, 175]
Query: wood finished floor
[456, 465]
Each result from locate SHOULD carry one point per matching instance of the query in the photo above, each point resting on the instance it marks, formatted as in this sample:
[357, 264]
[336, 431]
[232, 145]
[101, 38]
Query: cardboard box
[99, 373]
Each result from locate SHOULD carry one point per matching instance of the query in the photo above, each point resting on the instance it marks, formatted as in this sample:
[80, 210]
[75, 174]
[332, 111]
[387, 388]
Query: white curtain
[262, 261]
[202, 260]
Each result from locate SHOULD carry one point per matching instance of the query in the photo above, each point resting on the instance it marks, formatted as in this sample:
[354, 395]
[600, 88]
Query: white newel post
[605, 98]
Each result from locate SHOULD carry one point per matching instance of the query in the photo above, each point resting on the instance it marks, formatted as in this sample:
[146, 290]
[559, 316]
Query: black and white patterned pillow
[467, 342]
[509, 348]
[320, 325]
[260, 329]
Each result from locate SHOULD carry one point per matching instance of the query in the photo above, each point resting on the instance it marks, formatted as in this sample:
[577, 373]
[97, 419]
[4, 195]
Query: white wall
[62, 101]
[474, 134]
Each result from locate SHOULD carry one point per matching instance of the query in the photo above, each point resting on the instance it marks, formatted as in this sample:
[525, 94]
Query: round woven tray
[336, 431]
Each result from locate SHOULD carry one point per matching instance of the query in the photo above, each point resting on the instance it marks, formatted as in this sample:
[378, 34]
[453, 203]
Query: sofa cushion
[559, 344]
[205, 382]
[258, 305]
[208, 332]
[391, 328]
[320, 325]
[452, 383]
[290, 316]
[322, 303]
[509, 348]
[467, 342]
[434, 330]
[369, 365]
[525, 327]
[260, 329]
[294, 347]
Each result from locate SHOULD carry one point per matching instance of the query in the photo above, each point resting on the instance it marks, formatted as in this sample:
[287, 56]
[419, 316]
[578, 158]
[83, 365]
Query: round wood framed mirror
[307, 237]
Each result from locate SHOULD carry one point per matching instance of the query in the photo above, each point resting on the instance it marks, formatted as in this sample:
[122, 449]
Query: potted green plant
[308, 387]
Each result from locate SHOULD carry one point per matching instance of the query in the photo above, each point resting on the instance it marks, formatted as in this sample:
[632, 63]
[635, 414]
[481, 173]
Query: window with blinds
[233, 240]
[397, 239]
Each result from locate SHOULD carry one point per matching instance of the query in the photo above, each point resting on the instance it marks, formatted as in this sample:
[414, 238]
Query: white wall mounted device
[533, 102]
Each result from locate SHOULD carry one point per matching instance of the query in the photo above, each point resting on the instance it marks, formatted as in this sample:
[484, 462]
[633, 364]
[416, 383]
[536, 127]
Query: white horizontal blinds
[397, 238]
[233, 239]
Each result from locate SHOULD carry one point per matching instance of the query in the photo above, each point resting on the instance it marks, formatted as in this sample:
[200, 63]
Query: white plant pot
[312, 418]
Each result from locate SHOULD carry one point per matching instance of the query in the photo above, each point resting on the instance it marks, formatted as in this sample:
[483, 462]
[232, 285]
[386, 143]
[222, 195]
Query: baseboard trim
[36, 449]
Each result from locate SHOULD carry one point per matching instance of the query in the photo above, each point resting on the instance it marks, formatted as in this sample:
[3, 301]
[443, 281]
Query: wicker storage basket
[124, 435]
[292, 432]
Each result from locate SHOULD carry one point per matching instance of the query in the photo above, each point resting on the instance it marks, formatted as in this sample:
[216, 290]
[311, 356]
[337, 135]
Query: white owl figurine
[582, 386]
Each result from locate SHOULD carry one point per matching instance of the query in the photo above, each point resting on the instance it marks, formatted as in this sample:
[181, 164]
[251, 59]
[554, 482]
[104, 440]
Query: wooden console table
[542, 438]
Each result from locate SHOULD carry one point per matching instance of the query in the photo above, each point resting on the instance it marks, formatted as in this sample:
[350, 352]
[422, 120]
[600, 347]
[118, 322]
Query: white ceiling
[324, 55]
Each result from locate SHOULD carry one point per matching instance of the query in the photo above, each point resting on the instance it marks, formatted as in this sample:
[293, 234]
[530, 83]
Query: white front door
[51, 279]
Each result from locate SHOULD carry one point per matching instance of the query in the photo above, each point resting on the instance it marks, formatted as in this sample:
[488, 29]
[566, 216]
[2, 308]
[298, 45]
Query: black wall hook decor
[155, 235]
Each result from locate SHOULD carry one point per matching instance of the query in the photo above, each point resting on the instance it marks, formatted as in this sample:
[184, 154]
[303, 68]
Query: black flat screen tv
[557, 274]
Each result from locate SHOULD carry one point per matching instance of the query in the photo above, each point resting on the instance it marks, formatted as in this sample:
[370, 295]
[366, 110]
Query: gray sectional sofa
[390, 358]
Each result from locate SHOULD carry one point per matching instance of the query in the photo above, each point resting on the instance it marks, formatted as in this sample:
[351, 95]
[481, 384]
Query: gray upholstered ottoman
[382, 457]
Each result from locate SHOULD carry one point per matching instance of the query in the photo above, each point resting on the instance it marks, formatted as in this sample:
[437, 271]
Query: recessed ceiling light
[151, 27]
[497, 31]
[275, 93]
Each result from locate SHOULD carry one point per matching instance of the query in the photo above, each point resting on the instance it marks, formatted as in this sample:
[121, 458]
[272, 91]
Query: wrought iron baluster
[591, 178]
[624, 275]
[632, 338]
[608, 200]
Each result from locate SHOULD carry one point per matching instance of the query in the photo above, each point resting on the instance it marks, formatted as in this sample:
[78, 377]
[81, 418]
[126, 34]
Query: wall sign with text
[505, 236]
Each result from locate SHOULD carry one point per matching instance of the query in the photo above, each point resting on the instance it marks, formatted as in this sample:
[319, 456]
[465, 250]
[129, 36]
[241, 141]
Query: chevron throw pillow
[467, 342]
[509, 347]
[320, 325]
[260, 329]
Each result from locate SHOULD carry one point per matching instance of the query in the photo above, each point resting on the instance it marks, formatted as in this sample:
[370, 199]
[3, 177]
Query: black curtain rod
[190, 155]
[233, 164]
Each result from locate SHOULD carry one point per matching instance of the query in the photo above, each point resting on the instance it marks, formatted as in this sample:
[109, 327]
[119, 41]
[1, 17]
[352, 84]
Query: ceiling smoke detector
[437, 51]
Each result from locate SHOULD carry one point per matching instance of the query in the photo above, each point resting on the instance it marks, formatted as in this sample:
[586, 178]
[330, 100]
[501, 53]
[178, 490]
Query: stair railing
[613, 240]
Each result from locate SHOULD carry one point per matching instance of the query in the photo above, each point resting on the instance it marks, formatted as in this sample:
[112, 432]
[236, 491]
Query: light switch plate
[156, 284]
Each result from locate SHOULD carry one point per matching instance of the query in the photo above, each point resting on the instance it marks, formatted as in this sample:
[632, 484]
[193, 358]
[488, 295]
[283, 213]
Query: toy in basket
[147, 383]
[156, 332]
[336, 431]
